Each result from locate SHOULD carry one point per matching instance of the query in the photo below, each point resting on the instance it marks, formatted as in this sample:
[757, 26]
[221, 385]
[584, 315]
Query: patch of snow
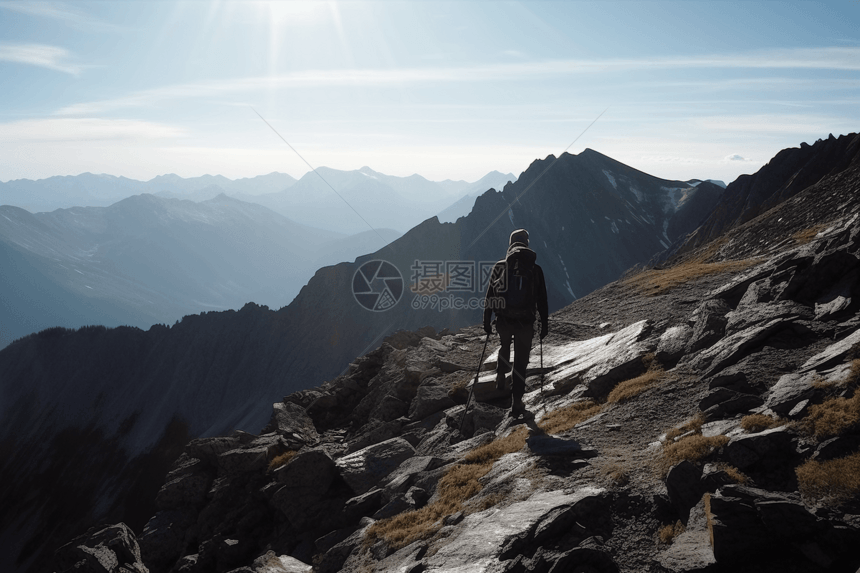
[511, 217]
[570, 290]
[614, 227]
[592, 220]
[665, 246]
[79, 272]
[638, 193]
[666, 228]
[89, 287]
[611, 178]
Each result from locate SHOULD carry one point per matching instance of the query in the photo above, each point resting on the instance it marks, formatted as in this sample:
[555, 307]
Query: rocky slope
[92, 418]
[698, 417]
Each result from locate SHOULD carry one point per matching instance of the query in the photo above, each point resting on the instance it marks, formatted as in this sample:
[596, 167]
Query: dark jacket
[541, 305]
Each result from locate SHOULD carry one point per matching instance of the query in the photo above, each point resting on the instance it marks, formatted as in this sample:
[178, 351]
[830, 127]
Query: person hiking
[517, 289]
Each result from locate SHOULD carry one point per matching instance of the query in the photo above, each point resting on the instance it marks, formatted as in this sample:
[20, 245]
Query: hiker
[516, 290]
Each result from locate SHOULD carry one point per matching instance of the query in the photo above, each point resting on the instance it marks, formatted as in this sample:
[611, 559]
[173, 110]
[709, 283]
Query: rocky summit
[699, 416]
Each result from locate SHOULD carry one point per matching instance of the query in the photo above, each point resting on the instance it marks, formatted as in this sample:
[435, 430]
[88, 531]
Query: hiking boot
[500, 381]
[517, 407]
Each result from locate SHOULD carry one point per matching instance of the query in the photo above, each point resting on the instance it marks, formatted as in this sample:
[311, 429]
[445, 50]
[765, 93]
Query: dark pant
[521, 332]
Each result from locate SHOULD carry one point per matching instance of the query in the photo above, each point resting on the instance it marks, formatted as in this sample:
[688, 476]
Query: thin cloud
[834, 58]
[85, 129]
[61, 12]
[41, 55]
[736, 157]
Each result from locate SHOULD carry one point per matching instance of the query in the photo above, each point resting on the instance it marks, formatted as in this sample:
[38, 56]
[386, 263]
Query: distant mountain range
[328, 198]
[148, 259]
[188, 248]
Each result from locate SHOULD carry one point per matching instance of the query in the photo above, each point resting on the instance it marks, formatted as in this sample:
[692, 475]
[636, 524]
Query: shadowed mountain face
[148, 259]
[788, 173]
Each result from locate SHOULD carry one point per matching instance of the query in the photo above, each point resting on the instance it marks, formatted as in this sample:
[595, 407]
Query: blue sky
[450, 90]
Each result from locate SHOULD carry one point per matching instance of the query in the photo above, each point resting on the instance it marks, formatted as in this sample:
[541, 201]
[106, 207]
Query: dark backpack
[516, 286]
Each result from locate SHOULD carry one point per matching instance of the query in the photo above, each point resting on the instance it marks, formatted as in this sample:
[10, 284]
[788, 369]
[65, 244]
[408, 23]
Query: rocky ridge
[679, 417]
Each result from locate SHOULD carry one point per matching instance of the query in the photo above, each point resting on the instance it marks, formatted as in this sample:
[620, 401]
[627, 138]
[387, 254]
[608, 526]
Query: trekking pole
[541, 367]
[472, 391]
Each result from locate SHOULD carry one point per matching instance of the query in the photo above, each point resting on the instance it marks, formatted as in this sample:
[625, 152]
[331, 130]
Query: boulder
[389, 408]
[734, 529]
[271, 562]
[364, 505]
[751, 315]
[402, 478]
[546, 445]
[184, 490]
[837, 447]
[733, 379]
[672, 344]
[479, 535]
[163, 537]
[732, 349]
[684, 486]
[243, 460]
[484, 389]
[304, 482]
[208, 449]
[102, 550]
[599, 363]
[833, 354]
[745, 450]
[292, 420]
[479, 418]
[365, 468]
[332, 560]
[691, 551]
[585, 559]
[710, 325]
[730, 404]
[431, 398]
[746, 521]
[713, 478]
[790, 390]
[185, 485]
[373, 432]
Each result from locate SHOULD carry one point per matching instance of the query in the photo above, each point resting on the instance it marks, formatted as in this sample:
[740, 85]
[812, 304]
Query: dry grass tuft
[654, 282]
[692, 425]
[489, 453]
[758, 423]
[834, 481]
[807, 235]
[565, 418]
[459, 484]
[281, 460]
[693, 448]
[736, 475]
[631, 388]
[834, 416]
[618, 475]
[668, 533]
